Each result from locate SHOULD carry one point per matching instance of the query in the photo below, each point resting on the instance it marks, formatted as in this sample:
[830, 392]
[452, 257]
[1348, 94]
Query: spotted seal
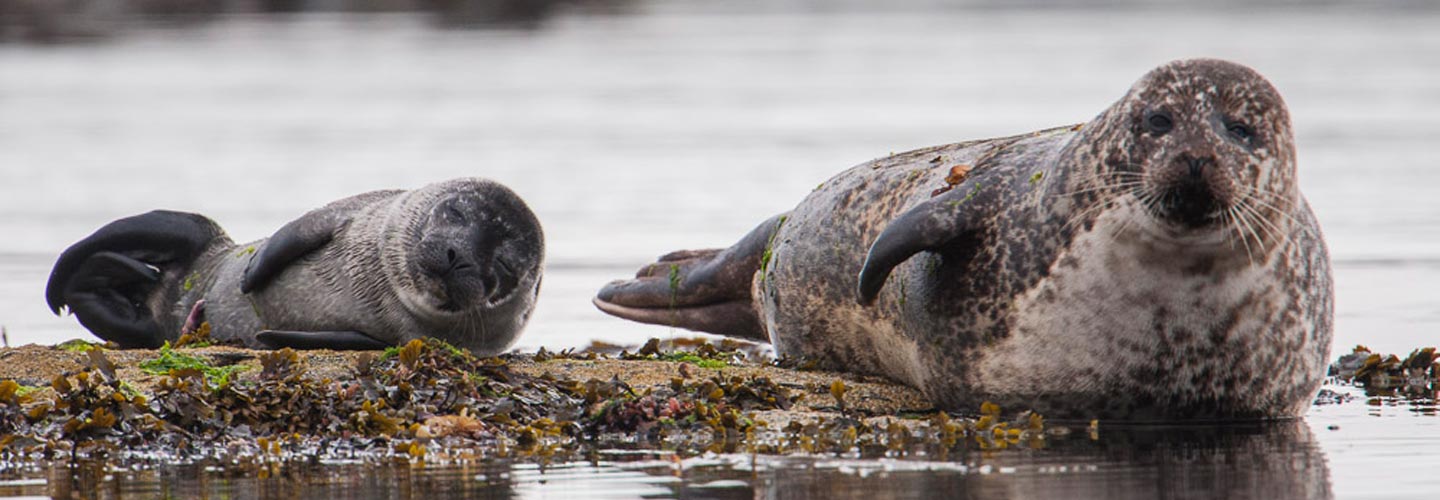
[458, 260]
[1156, 263]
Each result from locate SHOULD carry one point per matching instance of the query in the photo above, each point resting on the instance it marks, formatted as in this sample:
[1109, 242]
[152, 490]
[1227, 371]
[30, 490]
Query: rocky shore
[430, 401]
[427, 401]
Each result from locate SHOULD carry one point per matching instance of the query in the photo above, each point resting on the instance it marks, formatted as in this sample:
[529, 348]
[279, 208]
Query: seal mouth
[1192, 205]
[1189, 202]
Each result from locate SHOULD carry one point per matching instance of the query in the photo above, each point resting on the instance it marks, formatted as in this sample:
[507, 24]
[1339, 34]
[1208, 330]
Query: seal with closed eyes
[458, 260]
[1156, 263]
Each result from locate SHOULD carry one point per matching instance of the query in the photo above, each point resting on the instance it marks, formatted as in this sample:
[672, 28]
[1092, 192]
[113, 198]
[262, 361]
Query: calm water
[675, 125]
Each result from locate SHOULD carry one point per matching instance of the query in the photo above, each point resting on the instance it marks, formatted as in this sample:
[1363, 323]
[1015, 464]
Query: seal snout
[1193, 191]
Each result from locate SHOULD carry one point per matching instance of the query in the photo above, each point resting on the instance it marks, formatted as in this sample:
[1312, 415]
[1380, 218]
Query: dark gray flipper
[929, 226]
[339, 341]
[701, 290]
[109, 278]
[294, 240]
[108, 295]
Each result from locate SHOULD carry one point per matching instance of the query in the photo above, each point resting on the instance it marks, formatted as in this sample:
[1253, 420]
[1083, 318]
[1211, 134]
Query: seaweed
[171, 360]
[1415, 377]
[428, 400]
[76, 345]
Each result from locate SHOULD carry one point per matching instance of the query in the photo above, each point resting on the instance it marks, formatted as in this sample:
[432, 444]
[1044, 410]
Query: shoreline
[430, 402]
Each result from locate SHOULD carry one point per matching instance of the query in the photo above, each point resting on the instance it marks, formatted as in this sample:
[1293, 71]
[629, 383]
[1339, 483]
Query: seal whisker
[1102, 187]
[1273, 231]
[1284, 213]
[1255, 222]
[1237, 220]
[1087, 214]
[1251, 201]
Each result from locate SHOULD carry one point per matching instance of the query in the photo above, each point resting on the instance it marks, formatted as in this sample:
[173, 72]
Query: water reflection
[60, 21]
[1274, 460]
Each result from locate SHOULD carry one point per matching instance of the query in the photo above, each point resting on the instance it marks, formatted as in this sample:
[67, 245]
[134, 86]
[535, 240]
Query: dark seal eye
[453, 214]
[1239, 131]
[1159, 122]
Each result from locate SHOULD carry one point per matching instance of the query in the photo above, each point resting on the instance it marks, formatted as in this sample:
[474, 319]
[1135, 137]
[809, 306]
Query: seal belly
[302, 298]
[1123, 328]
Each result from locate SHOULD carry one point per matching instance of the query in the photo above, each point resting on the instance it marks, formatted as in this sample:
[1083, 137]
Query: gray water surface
[671, 125]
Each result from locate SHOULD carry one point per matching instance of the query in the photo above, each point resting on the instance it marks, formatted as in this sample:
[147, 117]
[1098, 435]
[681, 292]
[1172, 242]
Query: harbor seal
[1156, 263]
[458, 260]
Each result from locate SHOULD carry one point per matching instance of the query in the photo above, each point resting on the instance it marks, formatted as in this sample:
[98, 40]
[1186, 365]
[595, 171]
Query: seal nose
[457, 263]
[1197, 166]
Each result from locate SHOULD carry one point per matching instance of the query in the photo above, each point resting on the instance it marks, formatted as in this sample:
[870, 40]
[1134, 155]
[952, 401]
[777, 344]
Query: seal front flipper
[929, 226]
[339, 341]
[301, 236]
[110, 279]
[701, 290]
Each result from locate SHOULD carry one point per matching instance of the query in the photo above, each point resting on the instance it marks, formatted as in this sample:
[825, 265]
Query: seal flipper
[110, 278]
[701, 290]
[929, 226]
[295, 239]
[338, 340]
[108, 295]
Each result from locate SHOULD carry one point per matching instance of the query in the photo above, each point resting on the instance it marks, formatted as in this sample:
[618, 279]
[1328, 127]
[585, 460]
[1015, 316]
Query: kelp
[428, 400]
[1414, 378]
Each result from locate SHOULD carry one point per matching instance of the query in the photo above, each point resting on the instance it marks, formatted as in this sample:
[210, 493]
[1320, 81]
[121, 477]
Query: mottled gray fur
[1059, 279]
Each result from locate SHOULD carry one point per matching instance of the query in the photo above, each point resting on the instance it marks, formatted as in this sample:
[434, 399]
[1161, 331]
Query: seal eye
[1159, 122]
[453, 214]
[1239, 131]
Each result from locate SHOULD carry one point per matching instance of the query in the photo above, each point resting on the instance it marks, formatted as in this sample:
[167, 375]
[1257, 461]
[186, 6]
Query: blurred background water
[636, 127]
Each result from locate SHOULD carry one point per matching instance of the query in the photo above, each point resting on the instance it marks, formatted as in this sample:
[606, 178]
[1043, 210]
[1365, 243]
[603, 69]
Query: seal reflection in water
[458, 260]
[1156, 263]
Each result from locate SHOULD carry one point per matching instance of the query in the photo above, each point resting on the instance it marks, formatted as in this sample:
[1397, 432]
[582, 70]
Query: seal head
[1204, 145]
[466, 257]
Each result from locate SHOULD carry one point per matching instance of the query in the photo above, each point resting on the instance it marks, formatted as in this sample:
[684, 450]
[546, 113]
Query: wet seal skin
[1157, 263]
[458, 260]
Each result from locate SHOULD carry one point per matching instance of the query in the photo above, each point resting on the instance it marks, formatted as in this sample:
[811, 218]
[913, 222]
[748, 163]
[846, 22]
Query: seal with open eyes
[458, 260]
[1156, 263]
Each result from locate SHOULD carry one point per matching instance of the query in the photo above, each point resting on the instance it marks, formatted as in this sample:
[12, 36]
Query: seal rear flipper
[701, 290]
[929, 226]
[108, 295]
[732, 319]
[336, 340]
[110, 278]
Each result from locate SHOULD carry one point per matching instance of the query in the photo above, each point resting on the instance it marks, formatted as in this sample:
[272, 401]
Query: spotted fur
[1077, 293]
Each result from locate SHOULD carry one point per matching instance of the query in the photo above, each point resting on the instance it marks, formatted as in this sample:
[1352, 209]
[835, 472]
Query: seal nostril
[450, 253]
[1197, 166]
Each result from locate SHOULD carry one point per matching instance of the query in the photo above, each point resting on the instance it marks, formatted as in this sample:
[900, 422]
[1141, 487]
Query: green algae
[697, 360]
[705, 355]
[190, 281]
[170, 360]
[768, 255]
[76, 345]
[973, 191]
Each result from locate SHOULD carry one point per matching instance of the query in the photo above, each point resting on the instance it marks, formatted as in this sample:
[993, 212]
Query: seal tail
[701, 290]
[109, 278]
